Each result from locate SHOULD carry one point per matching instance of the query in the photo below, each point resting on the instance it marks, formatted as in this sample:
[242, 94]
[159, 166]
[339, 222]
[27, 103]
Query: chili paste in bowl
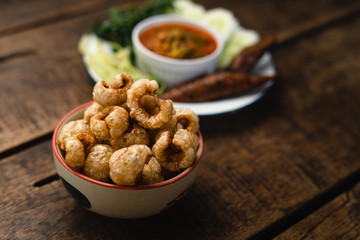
[174, 49]
[178, 40]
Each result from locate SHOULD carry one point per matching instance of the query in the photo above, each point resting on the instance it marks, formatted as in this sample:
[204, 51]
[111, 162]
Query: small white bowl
[173, 71]
[121, 201]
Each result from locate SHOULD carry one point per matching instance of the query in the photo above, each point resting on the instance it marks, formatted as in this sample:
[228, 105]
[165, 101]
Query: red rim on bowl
[141, 187]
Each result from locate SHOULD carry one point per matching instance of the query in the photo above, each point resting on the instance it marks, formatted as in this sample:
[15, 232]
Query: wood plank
[260, 164]
[308, 123]
[270, 17]
[20, 15]
[339, 219]
[314, 25]
[45, 68]
[49, 211]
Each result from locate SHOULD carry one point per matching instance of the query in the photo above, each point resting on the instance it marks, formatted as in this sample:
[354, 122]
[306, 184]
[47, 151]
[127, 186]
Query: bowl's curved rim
[60, 158]
[172, 18]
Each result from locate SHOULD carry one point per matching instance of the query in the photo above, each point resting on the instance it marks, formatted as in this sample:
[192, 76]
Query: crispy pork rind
[70, 129]
[92, 110]
[175, 151]
[152, 172]
[159, 114]
[130, 137]
[126, 164]
[97, 162]
[135, 135]
[76, 148]
[114, 93]
[184, 118]
[111, 122]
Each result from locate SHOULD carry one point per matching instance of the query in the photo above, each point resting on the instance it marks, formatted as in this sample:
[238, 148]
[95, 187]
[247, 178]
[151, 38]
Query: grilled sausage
[214, 86]
[248, 57]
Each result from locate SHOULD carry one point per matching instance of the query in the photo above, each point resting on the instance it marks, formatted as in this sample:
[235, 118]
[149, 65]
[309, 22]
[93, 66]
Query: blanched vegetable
[106, 59]
[107, 49]
[189, 9]
[235, 38]
[223, 21]
[237, 42]
[249, 56]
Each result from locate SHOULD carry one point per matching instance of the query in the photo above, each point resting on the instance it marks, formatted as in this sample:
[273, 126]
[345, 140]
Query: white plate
[265, 66]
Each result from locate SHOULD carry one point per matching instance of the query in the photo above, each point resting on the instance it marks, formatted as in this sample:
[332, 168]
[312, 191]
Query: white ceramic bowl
[173, 71]
[121, 201]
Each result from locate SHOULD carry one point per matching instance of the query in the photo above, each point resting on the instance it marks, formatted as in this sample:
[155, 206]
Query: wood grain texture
[259, 164]
[308, 123]
[322, 21]
[42, 78]
[339, 219]
[49, 68]
[269, 17]
[17, 16]
[38, 89]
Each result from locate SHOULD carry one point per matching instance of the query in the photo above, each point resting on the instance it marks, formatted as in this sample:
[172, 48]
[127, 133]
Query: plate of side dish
[265, 66]
[105, 56]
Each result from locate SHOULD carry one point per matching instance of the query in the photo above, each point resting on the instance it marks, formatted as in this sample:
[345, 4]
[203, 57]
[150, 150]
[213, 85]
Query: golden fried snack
[175, 152]
[71, 129]
[186, 139]
[93, 109]
[117, 121]
[151, 104]
[137, 135]
[135, 102]
[114, 93]
[184, 118]
[129, 136]
[97, 162]
[111, 122]
[126, 164]
[76, 148]
[152, 172]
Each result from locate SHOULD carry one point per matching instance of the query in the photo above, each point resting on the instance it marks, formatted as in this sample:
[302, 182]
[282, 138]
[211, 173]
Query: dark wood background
[286, 167]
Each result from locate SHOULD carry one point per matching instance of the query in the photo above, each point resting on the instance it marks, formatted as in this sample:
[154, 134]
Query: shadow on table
[192, 217]
[236, 122]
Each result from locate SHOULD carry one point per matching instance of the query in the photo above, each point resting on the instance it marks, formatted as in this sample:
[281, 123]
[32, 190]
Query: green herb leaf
[120, 24]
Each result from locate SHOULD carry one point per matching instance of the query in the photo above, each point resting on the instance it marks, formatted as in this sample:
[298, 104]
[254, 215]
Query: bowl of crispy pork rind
[127, 154]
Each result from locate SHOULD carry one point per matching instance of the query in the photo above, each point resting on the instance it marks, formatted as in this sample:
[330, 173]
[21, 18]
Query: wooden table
[286, 167]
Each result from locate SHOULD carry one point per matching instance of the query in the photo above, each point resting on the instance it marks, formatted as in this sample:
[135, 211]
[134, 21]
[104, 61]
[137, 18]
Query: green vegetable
[107, 50]
[116, 32]
[120, 24]
[240, 39]
[101, 59]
